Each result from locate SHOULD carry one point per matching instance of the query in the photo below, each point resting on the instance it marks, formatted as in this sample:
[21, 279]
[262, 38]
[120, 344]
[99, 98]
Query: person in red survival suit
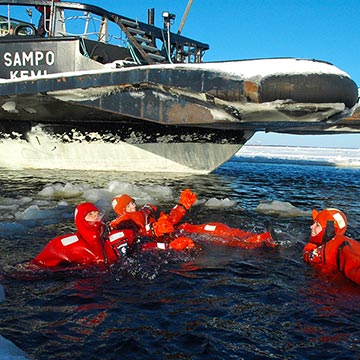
[329, 248]
[90, 245]
[220, 233]
[223, 234]
[147, 222]
[44, 21]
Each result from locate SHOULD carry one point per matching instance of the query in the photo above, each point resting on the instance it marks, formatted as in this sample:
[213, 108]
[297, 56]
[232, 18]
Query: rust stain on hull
[352, 121]
[189, 114]
[251, 91]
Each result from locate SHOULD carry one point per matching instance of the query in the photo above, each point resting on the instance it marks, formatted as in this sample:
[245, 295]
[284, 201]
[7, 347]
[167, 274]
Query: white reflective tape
[148, 227]
[161, 246]
[116, 236]
[69, 240]
[209, 227]
[340, 220]
[114, 203]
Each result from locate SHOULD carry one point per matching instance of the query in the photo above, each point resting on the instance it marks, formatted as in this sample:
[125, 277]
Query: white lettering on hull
[31, 58]
[16, 74]
[21, 62]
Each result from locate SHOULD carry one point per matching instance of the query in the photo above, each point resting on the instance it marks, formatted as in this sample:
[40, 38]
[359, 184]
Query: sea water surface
[219, 303]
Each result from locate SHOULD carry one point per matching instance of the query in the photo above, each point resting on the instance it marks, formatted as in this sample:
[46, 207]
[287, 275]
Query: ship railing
[86, 33]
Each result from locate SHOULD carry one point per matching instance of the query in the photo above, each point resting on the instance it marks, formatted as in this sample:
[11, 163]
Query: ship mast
[182, 23]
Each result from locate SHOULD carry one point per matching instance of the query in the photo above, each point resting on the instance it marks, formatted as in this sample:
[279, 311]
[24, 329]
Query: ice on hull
[91, 152]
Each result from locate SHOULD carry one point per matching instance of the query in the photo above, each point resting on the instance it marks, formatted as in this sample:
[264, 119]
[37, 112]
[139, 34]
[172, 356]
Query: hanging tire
[25, 30]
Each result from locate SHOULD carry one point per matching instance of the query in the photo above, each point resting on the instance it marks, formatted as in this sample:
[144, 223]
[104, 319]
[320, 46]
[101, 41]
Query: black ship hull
[70, 102]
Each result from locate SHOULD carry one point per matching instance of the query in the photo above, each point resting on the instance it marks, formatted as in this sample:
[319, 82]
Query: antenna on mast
[185, 16]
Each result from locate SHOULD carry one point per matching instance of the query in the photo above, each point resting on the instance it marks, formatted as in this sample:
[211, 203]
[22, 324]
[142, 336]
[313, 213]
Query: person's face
[131, 207]
[315, 228]
[93, 217]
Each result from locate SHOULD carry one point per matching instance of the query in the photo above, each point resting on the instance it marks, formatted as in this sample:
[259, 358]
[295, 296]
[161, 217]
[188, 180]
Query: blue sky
[237, 29]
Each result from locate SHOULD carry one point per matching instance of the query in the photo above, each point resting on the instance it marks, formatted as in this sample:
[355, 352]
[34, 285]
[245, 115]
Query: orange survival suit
[90, 245]
[144, 221]
[225, 235]
[331, 249]
[221, 234]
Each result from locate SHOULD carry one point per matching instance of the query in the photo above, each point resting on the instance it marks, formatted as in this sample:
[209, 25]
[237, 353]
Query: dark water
[219, 304]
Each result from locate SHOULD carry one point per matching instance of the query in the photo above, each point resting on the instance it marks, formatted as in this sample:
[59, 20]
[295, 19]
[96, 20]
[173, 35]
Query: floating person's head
[88, 220]
[327, 223]
[123, 203]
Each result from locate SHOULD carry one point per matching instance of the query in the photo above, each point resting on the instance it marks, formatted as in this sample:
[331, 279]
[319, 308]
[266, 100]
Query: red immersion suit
[144, 221]
[225, 235]
[147, 225]
[86, 246]
[331, 249]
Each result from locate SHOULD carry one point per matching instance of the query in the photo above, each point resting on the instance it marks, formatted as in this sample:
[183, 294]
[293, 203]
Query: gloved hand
[162, 226]
[187, 199]
[308, 250]
[182, 243]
